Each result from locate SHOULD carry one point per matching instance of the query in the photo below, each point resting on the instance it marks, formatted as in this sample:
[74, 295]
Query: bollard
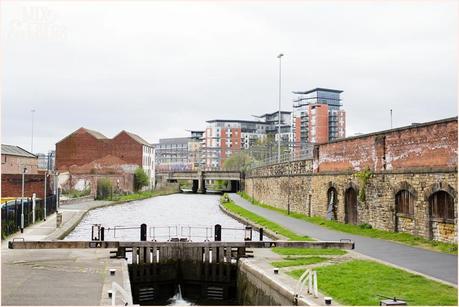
[218, 233]
[261, 234]
[143, 232]
[102, 230]
[248, 233]
[328, 300]
[34, 201]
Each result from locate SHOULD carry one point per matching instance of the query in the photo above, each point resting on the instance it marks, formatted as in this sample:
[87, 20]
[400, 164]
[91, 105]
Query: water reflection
[177, 215]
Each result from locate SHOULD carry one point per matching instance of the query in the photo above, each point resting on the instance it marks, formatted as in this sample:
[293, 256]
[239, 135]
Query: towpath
[438, 265]
[59, 277]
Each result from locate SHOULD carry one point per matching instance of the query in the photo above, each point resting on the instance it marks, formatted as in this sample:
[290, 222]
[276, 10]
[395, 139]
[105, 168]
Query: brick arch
[404, 186]
[440, 186]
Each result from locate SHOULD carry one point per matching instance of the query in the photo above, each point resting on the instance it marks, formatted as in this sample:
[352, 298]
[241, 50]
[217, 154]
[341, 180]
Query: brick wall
[80, 148]
[427, 145]
[120, 182]
[421, 159]
[127, 149]
[15, 164]
[12, 185]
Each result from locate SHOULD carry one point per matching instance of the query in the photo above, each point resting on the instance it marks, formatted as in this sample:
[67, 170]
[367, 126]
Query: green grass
[297, 261]
[76, 193]
[359, 282]
[141, 195]
[400, 237]
[232, 207]
[289, 251]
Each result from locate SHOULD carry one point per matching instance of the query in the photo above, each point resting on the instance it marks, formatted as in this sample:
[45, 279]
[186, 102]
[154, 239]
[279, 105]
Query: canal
[183, 215]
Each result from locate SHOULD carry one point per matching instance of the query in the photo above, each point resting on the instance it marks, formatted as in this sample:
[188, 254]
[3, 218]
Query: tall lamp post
[22, 199]
[279, 127]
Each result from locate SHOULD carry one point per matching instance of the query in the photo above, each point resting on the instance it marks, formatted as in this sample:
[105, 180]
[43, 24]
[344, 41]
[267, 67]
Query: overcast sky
[159, 68]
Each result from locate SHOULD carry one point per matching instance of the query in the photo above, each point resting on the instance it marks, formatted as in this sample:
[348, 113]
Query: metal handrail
[126, 297]
[310, 277]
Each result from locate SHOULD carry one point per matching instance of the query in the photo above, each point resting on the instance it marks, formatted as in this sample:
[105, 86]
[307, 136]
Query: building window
[441, 205]
[404, 203]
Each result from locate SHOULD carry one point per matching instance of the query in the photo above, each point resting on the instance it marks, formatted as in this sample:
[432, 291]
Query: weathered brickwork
[306, 190]
[12, 185]
[428, 145]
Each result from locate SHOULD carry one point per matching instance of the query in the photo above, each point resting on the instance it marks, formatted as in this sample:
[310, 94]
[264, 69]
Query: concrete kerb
[246, 221]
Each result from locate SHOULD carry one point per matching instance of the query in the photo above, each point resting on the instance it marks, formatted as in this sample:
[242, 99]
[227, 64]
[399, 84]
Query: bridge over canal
[199, 178]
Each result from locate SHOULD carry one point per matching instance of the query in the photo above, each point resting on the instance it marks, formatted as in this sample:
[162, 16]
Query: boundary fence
[12, 210]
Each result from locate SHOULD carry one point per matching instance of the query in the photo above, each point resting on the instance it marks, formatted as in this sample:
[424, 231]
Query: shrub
[365, 226]
[104, 188]
[140, 179]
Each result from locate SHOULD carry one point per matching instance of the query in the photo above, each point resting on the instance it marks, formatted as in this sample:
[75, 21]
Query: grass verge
[231, 206]
[297, 261]
[359, 282]
[400, 237]
[290, 251]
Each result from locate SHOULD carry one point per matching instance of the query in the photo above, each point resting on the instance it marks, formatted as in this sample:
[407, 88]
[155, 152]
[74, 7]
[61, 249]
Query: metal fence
[285, 157]
[11, 213]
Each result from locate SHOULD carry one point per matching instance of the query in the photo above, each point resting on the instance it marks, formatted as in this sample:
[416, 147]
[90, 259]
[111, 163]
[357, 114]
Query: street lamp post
[279, 127]
[22, 200]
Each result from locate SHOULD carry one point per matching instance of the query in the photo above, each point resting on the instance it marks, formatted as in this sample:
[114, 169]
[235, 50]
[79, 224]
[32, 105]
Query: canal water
[191, 216]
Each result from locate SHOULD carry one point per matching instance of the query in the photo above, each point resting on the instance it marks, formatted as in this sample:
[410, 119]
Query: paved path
[438, 265]
[59, 276]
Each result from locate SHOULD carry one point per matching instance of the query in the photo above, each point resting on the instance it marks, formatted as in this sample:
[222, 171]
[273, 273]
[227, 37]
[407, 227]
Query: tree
[140, 179]
[239, 161]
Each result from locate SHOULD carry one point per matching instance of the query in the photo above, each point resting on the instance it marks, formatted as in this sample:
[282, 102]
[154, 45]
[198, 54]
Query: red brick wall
[127, 149]
[12, 185]
[433, 146]
[78, 149]
[428, 145]
[82, 148]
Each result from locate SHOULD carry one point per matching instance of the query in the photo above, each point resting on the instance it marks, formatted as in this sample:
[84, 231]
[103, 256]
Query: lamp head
[280, 55]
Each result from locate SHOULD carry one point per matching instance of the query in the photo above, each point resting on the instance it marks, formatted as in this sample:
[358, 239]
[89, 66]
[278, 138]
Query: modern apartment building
[317, 117]
[179, 154]
[223, 137]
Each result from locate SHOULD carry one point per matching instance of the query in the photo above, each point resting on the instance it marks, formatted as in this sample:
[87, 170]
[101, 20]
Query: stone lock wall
[398, 159]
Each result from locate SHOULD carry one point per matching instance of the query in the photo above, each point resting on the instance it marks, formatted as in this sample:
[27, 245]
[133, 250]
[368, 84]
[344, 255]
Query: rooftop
[322, 89]
[137, 138]
[13, 150]
[235, 121]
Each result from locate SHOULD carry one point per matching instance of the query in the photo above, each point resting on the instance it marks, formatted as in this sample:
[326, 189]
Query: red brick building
[86, 152]
[14, 160]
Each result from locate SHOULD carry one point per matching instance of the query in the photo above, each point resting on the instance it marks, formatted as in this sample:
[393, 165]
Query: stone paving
[58, 277]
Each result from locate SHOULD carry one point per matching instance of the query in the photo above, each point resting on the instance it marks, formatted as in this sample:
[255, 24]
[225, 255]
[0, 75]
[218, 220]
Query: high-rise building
[317, 117]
